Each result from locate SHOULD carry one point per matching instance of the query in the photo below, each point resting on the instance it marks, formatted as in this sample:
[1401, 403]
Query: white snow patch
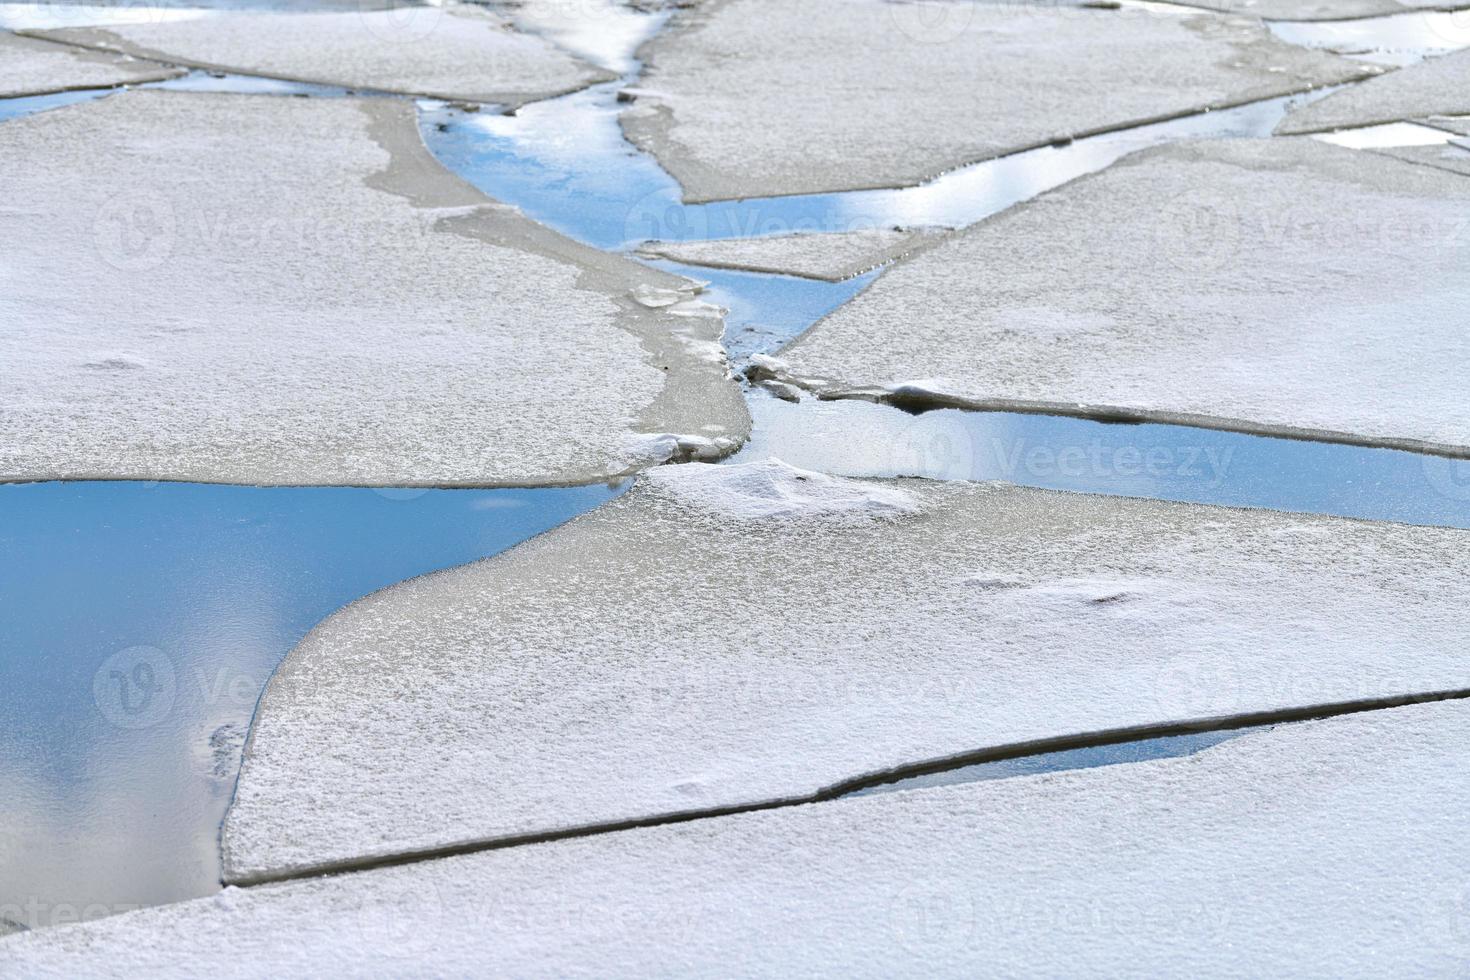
[771, 489]
[1323, 847]
[451, 51]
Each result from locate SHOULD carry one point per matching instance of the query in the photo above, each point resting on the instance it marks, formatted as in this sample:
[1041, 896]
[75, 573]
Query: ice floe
[1312, 10]
[1437, 86]
[727, 635]
[254, 289]
[1256, 285]
[451, 51]
[830, 256]
[751, 99]
[30, 66]
[1310, 849]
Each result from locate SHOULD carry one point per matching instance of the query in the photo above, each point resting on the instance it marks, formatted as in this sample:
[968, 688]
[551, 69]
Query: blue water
[765, 311]
[1142, 750]
[1167, 462]
[139, 623]
[565, 163]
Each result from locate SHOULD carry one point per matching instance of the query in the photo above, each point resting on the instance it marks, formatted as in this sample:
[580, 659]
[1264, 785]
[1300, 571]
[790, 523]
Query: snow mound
[772, 489]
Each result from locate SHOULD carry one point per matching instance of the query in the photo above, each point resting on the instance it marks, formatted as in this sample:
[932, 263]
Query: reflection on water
[1142, 750]
[1168, 462]
[139, 623]
[565, 163]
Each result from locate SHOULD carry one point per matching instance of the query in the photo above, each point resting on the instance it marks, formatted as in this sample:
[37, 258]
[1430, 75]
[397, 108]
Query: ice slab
[750, 99]
[1304, 9]
[1437, 86]
[1255, 285]
[29, 66]
[1453, 155]
[251, 289]
[832, 257]
[453, 51]
[1307, 850]
[728, 635]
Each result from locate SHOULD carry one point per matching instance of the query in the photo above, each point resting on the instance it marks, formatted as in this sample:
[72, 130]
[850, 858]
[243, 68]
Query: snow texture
[744, 98]
[252, 289]
[1310, 9]
[726, 635]
[1323, 849]
[831, 256]
[1253, 285]
[29, 66]
[453, 51]
[1437, 86]
[1453, 156]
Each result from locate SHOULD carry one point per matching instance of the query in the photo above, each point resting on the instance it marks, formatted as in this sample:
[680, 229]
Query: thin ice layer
[29, 66]
[727, 635]
[455, 51]
[1310, 9]
[252, 289]
[750, 99]
[1323, 849]
[1256, 285]
[1453, 156]
[1437, 86]
[831, 256]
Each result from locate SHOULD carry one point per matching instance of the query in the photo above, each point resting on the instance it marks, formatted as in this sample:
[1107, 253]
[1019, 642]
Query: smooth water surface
[139, 623]
[1142, 750]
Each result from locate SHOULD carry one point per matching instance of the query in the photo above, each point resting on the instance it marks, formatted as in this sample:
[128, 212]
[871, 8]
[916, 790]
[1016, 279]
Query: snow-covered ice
[1453, 156]
[730, 634]
[453, 51]
[1258, 285]
[256, 289]
[1437, 86]
[832, 256]
[29, 66]
[1310, 9]
[1322, 849]
[751, 99]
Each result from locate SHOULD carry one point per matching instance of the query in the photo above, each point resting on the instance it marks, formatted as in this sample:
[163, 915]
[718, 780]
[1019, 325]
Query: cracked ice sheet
[1307, 850]
[1253, 285]
[733, 634]
[830, 256]
[1311, 9]
[251, 289]
[751, 99]
[33, 67]
[1437, 86]
[1453, 156]
[452, 51]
